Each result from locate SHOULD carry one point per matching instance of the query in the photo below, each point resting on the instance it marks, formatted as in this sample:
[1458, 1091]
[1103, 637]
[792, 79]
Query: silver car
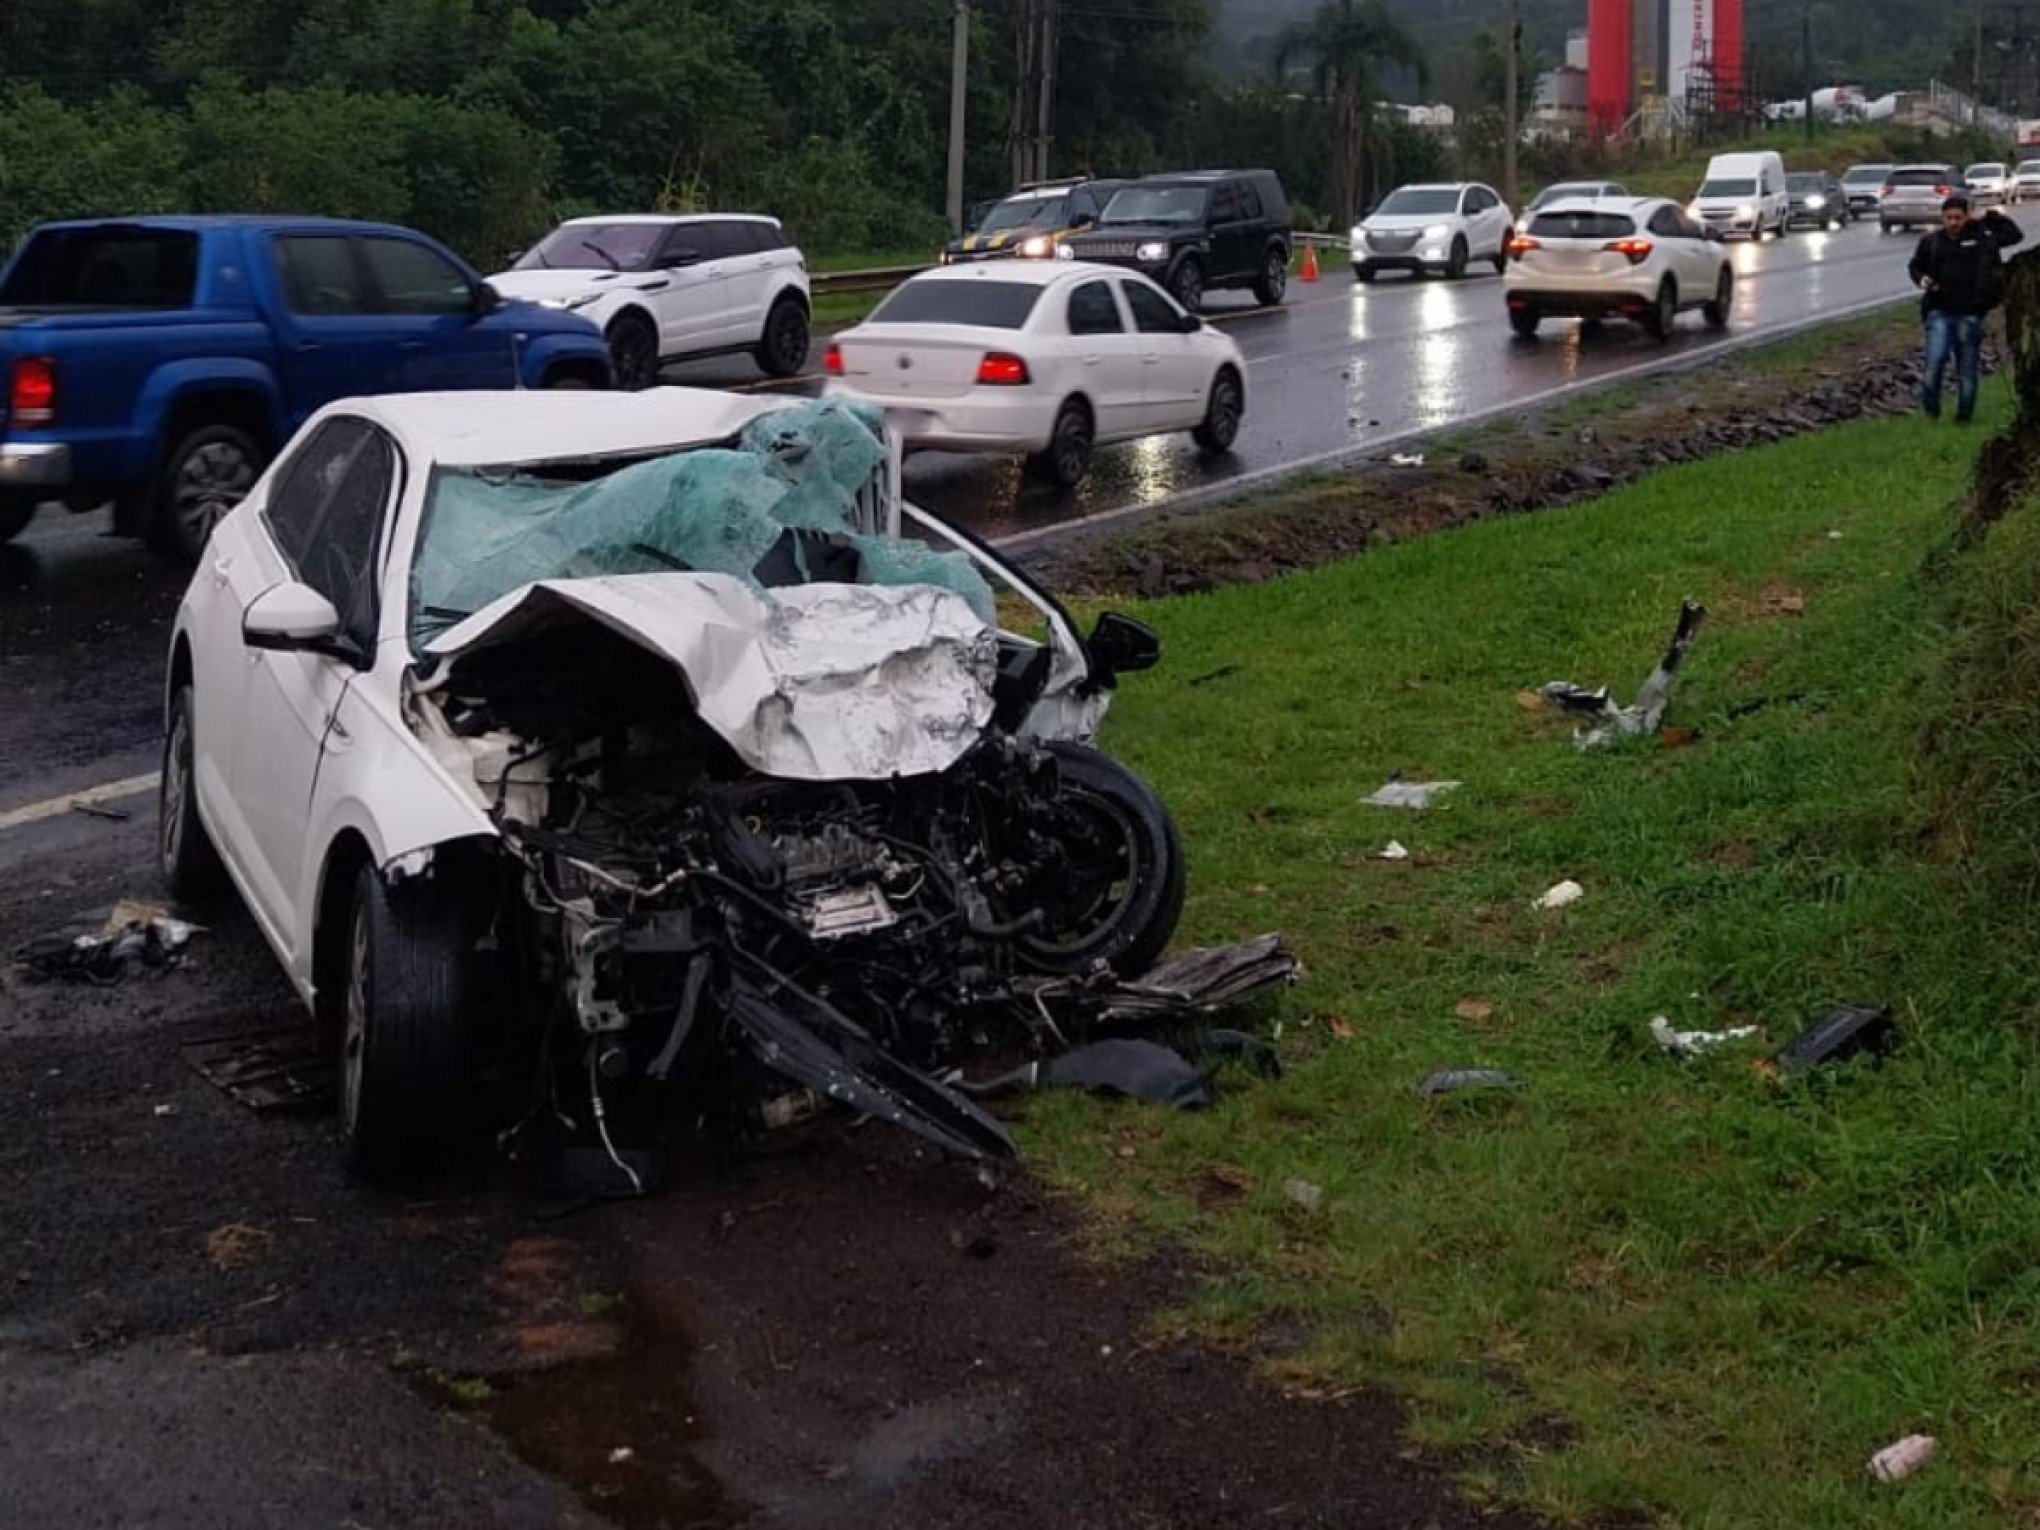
[1913, 195]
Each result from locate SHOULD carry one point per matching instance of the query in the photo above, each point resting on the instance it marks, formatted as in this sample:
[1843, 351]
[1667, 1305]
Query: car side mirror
[295, 618]
[1190, 324]
[1083, 220]
[487, 300]
[1119, 645]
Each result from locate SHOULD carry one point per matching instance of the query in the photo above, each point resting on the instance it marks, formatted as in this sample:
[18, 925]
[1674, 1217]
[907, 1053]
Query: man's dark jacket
[1966, 268]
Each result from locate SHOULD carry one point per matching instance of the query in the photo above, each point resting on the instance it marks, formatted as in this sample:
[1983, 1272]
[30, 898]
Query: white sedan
[534, 728]
[1047, 360]
[1643, 259]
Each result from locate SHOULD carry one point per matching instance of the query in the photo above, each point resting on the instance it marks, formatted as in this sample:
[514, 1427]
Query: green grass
[1684, 1291]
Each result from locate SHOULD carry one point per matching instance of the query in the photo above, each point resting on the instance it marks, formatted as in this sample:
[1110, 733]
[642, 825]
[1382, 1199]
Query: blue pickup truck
[159, 363]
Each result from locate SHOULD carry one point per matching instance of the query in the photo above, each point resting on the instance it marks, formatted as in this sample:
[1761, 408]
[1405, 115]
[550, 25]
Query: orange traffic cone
[1310, 272]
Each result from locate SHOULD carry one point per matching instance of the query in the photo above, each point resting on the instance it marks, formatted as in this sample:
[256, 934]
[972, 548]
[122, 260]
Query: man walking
[1959, 271]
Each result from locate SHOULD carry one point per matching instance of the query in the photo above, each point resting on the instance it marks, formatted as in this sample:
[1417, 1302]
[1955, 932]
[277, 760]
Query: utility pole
[1976, 74]
[959, 83]
[1806, 54]
[1045, 116]
[1511, 116]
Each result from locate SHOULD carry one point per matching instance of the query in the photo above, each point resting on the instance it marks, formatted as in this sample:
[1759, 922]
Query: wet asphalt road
[201, 1322]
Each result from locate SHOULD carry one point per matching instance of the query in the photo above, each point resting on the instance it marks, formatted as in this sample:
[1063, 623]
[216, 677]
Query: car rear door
[1229, 235]
[429, 307]
[1690, 260]
[695, 265]
[1111, 358]
[1173, 396]
[322, 525]
[751, 280]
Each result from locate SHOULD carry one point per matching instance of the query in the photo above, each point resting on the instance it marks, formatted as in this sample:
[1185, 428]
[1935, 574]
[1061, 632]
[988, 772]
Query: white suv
[1643, 259]
[666, 288]
[1437, 229]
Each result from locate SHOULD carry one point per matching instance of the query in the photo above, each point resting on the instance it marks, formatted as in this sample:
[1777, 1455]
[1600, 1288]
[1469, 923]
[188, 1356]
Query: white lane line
[91, 796]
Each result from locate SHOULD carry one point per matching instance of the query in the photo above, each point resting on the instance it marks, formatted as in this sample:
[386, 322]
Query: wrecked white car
[576, 752]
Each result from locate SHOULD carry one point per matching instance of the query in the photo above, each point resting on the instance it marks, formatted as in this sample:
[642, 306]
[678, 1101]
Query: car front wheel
[1524, 321]
[633, 351]
[1221, 424]
[404, 1064]
[1187, 286]
[1363, 274]
[1455, 268]
[16, 511]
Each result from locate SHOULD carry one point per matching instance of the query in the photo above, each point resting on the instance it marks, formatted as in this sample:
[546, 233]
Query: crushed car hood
[815, 682]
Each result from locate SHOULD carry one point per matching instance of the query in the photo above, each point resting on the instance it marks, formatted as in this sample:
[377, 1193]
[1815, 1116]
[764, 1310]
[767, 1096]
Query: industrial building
[1642, 54]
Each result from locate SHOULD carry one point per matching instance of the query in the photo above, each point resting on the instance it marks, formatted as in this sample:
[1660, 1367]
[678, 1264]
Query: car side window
[327, 513]
[411, 279]
[1153, 314]
[1666, 224]
[1225, 205]
[719, 241]
[1250, 202]
[1093, 311]
[682, 246]
[1476, 202]
[320, 275]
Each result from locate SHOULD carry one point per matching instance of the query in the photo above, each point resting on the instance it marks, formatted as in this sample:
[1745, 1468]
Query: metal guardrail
[885, 278]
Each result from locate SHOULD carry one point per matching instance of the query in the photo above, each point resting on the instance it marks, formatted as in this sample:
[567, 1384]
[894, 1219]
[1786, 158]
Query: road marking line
[56, 807]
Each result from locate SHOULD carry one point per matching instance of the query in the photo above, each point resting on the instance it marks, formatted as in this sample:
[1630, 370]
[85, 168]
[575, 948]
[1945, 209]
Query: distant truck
[159, 363]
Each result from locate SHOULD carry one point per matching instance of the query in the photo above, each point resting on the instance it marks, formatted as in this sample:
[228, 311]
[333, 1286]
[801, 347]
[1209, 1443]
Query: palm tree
[1343, 45]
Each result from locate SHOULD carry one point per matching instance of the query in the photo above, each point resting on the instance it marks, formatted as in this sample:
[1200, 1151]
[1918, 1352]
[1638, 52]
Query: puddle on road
[606, 1407]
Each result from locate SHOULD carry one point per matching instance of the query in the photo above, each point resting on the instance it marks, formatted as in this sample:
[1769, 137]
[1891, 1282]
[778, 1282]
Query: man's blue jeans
[1961, 333]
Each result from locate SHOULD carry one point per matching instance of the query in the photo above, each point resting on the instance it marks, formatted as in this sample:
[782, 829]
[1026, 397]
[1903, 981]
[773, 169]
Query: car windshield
[2029, 167]
[796, 497]
[1984, 173]
[1729, 189]
[979, 304]
[1932, 176]
[1157, 204]
[1025, 212]
[1567, 224]
[1551, 194]
[1862, 173]
[594, 247]
[1419, 202]
[1806, 182]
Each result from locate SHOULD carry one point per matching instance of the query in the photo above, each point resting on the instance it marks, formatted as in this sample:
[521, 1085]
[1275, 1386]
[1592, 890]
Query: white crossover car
[669, 288]
[2026, 180]
[1437, 230]
[1642, 259]
[1989, 184]
[604, 745]
[1047, 360]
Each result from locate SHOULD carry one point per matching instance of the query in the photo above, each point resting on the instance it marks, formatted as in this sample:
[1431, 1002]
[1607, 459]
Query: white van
[1744, 194]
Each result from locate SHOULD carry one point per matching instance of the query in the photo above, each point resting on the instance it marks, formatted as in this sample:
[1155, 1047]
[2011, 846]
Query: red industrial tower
[1619, 31]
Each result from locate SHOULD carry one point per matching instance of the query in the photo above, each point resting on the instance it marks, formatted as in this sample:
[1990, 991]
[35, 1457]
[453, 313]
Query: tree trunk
[1345, 133]
[2006, 466]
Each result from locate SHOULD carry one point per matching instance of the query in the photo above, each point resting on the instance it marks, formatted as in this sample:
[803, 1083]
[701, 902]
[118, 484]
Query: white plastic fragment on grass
[1900, 1460]
[1301, 1191]
[1395, 850]
[1564, 895]
[1693, 1043]
[1410, 794]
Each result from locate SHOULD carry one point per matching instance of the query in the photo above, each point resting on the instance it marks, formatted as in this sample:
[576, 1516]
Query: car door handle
[222, 569]
[410, 345]
[307, 345]
[1090, 358]
[1151, 360]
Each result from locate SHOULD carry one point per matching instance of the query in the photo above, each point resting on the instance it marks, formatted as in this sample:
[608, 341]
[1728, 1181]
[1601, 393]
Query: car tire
[1658, 322]
[16, 511]
[184, 851]
[783, 347]
[1128, 926]
[633, 351]
[1067, 457]
[1272, 285]
[1227, 406]
[1186, 285]
[1363, 274]
[1455, 266]
[1524, 322]
[1501, 259]
[1718, 309]
[404, 1064]
[205, 474]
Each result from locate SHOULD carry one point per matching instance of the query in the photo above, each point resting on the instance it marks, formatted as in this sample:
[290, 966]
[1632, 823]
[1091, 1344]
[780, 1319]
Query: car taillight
[32, 398]
[1521, 245]
[1001, 369]
[1944, 191]
[1885, 191]
[832, 361]
[1636, 251]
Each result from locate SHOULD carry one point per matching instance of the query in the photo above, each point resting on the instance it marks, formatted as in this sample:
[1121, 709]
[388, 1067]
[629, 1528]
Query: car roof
[1436, 186]
[668, 219]
[190, 222]
[495, 429]
[1019, 273]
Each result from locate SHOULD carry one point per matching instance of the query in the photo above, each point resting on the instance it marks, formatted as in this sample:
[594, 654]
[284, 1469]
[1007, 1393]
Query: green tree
[61, 160]
[1345, 46]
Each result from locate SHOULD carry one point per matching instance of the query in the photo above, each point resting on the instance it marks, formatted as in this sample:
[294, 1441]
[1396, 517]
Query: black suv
[1196, 231]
